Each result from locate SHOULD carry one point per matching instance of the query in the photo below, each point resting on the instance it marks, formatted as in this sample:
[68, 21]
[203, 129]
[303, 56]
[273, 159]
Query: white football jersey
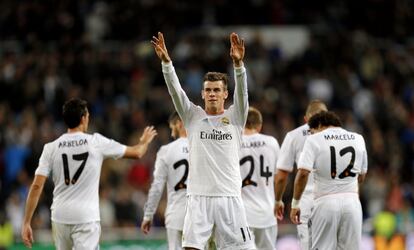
[258, 156]
[290, 151]
[171, 167]
[214, 141]
[74, 160]
[337, 157]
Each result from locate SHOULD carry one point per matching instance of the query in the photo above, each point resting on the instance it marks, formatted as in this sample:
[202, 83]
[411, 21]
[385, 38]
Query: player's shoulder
[174, 145]
[268, 138]
[301, 131]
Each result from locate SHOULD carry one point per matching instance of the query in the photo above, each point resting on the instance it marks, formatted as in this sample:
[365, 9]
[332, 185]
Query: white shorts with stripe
[265, 238]
[223, 215]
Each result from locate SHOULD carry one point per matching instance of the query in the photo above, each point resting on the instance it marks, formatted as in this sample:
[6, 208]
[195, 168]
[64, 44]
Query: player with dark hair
[214, 134]
[74, 161]
[171, 168]
[338, 159]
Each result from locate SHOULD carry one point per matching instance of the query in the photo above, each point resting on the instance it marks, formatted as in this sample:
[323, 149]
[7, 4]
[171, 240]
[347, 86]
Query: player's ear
[202, 94]
[226, 94]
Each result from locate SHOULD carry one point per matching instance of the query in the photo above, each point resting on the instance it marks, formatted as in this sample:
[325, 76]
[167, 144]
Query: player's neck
[76, 130]
[214, 111]
[250, 131]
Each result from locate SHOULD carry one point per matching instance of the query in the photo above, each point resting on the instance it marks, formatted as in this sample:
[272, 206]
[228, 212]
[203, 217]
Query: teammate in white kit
[214, 183]
[258, 158]
[338, 159]
[289, 155]
[171, 167]
[74, 161]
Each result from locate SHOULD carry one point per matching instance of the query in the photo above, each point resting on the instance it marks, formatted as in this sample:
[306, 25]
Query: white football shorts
[77, 236]
[226, 215]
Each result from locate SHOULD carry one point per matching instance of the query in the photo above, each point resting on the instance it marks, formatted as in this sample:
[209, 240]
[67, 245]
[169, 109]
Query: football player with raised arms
[214, 183]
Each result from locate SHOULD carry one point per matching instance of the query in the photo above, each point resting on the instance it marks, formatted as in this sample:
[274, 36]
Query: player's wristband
[295, 203]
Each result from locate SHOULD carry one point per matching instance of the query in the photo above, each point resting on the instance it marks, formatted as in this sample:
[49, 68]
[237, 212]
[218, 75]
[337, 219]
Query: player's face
[174, 129]
[214, 96]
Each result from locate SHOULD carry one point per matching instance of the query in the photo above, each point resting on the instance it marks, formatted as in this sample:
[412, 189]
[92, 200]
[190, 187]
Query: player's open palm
[237, 48]
[148, 135]
[159, 46]
[27, 235]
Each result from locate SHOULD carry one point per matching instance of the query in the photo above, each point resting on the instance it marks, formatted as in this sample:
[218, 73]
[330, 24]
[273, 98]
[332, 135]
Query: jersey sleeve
[240, 106]
[109, 148]
[157, 185]
[364, 167]
[45, 162]
[181, 102]
[276, 150]
[308, 156]
[286, 159]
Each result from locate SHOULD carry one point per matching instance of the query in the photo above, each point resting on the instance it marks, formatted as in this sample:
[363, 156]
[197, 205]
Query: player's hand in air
[279, 210]
[295, 215]
[159, 46]
[148, 135]
[27, 235]
[146, 226]
[236, 49]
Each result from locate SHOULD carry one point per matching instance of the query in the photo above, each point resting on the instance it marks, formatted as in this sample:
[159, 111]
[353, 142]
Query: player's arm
[31, 203]
[139, 150]
[305, 165]
[181, 102]
[281, 178]
[155, 192]
[301, 180]
[237, 51]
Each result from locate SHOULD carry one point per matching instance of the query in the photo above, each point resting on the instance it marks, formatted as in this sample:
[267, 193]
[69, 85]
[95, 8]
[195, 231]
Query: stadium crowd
[362, 67]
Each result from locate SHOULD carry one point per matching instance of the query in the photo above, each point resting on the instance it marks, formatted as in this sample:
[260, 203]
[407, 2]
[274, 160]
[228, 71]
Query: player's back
[258, 157]
[340, 157]
[75, 160]
[174, 157]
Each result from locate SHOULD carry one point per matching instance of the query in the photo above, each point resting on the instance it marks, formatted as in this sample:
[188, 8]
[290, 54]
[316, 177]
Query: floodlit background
[357, 56]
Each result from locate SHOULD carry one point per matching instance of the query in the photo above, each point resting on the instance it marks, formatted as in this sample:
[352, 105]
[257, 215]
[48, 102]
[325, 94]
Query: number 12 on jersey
[347, 172]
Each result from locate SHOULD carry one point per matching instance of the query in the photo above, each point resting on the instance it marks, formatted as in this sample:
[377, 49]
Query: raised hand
[236, 49]
[148, 135]
[159, 46]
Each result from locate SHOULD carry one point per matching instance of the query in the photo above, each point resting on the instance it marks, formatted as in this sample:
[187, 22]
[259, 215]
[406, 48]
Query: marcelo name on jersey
[215, 135]
[341, 137]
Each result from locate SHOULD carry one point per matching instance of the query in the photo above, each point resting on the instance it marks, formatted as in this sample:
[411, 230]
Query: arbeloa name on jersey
[216, 135]
[73, 143]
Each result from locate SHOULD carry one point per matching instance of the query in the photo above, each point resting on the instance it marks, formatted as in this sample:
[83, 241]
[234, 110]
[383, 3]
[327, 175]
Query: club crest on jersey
[225, 121]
